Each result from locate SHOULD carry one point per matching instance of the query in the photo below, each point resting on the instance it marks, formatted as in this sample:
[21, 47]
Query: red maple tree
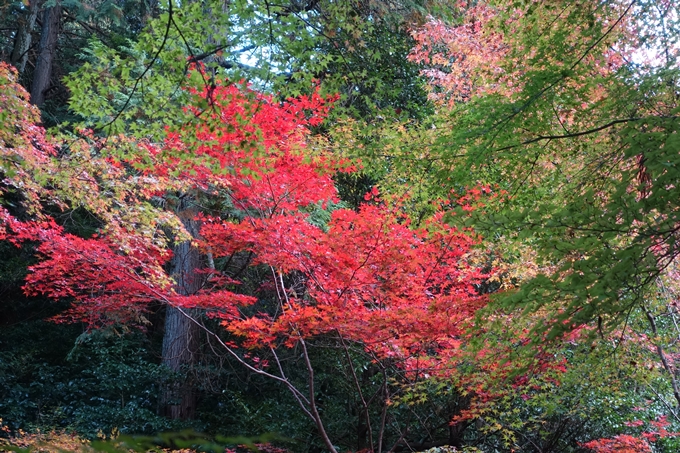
[405, 294]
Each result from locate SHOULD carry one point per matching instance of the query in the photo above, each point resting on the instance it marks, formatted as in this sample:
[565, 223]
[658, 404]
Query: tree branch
[539, 138]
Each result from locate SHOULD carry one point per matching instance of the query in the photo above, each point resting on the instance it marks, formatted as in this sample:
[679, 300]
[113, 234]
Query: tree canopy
[365, 225]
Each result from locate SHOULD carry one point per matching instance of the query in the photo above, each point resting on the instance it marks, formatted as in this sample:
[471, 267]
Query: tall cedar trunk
[180, 339]
[22, 40]
[181, 336]
[46, 52]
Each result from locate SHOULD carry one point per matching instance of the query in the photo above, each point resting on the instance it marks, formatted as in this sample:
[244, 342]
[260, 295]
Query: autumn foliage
[623, 443]
[461, 61]
[279, 261]
[405, 293]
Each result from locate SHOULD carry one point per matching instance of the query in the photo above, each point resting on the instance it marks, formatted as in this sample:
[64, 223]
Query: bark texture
[181, 336]
[46, 53]
[23, 38]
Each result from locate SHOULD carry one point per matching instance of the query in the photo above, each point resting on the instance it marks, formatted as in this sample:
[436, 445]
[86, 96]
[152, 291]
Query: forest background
[362, 225]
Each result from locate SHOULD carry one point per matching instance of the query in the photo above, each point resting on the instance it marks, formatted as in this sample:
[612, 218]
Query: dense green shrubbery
[88, 383]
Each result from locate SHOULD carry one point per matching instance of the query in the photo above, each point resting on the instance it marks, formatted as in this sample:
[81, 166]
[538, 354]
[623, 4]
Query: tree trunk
[22, 40]
[46, 52]
[181, 337]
